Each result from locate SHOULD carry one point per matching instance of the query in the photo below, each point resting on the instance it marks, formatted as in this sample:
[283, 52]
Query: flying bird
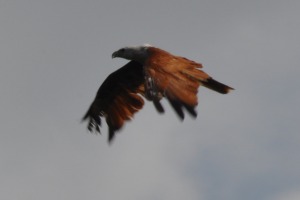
[151, 74]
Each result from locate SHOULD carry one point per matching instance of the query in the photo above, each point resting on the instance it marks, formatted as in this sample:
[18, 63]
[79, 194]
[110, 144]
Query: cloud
[288, 195]
[54, 56]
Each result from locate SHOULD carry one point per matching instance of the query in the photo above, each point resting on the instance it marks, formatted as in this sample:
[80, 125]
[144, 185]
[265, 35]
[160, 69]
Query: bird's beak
[115, 54]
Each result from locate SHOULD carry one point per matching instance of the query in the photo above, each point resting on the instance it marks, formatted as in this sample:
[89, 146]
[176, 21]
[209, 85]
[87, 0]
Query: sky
[55, 54]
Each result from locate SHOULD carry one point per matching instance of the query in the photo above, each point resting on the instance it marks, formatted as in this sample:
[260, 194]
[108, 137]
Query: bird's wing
[177, 78]
[117, 99]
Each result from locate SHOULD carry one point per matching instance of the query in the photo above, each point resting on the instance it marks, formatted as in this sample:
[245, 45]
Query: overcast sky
[245, 145]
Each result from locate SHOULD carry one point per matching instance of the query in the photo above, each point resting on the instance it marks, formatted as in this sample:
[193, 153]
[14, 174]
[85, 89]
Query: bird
[151, 74]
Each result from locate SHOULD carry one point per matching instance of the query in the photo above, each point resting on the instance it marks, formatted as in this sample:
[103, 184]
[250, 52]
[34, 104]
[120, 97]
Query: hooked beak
[115, 54]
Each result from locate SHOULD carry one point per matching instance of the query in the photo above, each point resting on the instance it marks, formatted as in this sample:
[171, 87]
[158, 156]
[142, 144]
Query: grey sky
[245, 145]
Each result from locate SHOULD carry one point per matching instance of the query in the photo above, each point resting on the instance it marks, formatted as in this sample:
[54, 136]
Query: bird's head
[136, 53]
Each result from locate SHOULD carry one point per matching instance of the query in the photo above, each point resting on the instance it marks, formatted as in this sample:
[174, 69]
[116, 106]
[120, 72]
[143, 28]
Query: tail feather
[206, 80]
[216, 86]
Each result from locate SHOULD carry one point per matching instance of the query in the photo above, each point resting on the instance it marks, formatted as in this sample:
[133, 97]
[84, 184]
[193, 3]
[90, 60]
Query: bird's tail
[207, 81]
[216, 86]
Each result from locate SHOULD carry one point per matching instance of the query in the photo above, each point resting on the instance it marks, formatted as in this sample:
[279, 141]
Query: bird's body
[154, 74]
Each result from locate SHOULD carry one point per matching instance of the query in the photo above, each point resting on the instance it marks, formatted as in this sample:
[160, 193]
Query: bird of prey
[151, 74]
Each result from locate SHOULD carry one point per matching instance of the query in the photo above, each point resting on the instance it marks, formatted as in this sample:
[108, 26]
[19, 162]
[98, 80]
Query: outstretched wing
[177, 78]
[117, 99]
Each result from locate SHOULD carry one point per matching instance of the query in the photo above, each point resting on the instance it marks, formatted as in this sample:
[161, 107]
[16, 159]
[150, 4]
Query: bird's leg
[151, 92]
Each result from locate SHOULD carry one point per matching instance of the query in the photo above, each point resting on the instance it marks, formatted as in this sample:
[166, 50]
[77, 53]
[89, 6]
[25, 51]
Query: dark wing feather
[117, 99]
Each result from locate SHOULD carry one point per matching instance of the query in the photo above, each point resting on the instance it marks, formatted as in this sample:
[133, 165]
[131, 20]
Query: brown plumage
[117, 99]
[153, 73]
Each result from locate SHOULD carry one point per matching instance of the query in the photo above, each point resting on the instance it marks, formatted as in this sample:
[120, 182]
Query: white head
[136, 53]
